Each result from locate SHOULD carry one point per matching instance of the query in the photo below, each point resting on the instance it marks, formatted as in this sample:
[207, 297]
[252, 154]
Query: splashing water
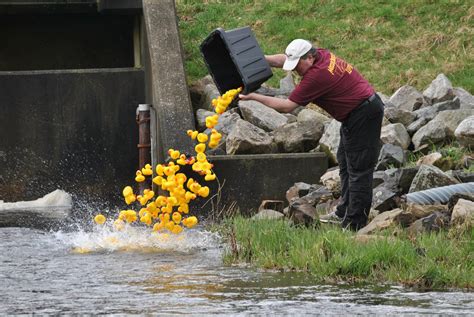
[137, 239]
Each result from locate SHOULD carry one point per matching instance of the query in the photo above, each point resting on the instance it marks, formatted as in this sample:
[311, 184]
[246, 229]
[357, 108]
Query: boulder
[398, 180]
[390, 155]
[246, 138]
[434, 222]
[429, 176]
[385, 99]
[381, 221]
[464, 133]
[398, 115]
[463, 212]
[298, 190]
[227, 122]
[377, 178]
[308, 115]
[384, 199]
[329, 142]
[421, 211]
[332, 181]
[424, 115]
[261, 116]
[290, 117]
[407, 98]
[298, 136]
[287, 84]
[442, 127]
[210, 92]
[429, 159]
[440, 89]
[467, 100]
[302, 213]
[395, 134]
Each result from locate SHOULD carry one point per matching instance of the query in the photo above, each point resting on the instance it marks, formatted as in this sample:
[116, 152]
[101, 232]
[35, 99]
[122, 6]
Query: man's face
[304, 64]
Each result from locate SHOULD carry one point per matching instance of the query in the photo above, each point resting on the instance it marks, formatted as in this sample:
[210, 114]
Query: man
[338, 88]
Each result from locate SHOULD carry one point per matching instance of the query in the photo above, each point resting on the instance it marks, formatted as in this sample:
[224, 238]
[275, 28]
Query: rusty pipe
[144, 144]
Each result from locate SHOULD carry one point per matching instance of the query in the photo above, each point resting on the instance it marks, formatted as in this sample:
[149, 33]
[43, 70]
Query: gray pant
[357, 155]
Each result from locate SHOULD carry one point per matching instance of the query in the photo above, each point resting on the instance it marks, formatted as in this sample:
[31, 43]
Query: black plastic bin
[234, 59]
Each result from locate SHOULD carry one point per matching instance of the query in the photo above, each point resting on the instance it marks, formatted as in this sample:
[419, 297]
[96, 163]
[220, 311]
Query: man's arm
[280, 105]
[276, 60]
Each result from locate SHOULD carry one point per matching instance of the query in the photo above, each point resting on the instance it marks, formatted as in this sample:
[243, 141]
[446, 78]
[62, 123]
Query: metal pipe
[144, 153]
[440, 194]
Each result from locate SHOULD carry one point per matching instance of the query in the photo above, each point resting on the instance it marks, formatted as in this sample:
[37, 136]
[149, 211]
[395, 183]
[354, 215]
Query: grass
[392, 43]
[429, 261]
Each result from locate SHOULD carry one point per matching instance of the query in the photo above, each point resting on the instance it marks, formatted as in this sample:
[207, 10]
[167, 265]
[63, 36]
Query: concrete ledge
[249, 179]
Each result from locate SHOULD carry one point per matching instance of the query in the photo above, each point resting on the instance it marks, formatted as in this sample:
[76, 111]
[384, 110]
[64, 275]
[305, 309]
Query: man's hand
[250, 96]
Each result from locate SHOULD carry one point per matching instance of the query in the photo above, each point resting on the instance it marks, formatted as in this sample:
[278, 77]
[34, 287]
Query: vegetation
[436, 260]
[392, 43]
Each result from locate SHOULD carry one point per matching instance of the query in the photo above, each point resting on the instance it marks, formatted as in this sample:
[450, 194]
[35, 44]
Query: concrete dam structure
[72, 74]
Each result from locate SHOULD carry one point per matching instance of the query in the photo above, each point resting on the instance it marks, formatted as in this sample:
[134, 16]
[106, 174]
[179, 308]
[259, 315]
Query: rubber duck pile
[170, 211]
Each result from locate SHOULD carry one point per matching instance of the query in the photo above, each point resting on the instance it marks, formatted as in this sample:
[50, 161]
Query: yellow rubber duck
[190, 222]
[127, 191]
[172, 201]
[130, 199]
[100, 219]
[182, 160]
[190, 196]
[176, 229]
[142, 212]
[158, 180]
[210, 177]
[176, 217]
[174, 154]
[160, 201]
[159, 169]
[147, 170]
[201, 157]
[200, 148]
[202, 137]
[148, 193]
[169, 225]
[146, 219]
[139, 178]
[192, 134]
[211, 121]
[203, 191]
[184, 208]
[158, 226]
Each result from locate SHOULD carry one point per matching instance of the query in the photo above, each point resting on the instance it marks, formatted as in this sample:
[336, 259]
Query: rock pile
[414, 122]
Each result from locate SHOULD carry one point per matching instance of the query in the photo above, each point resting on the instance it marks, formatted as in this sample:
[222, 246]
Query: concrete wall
[73, 130]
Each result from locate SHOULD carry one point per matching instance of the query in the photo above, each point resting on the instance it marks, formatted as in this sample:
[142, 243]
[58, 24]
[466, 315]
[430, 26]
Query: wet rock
[466, 99]
[434, 222]
[464, 133]
[397, 115]
[407, 98]
[329, 142]
[201, 115]
[429, 176]
[382, 221]
[442, 127]
[298, 137]
[390, 155]
[440, 89]
[395, 134]
[268, 214]
[262, 116]
[463, 212]
[398, 180]
[384, 199]
[332, 181]
[245, 138]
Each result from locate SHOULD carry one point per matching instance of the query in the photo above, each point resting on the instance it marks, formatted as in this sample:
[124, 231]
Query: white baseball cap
[294, 51]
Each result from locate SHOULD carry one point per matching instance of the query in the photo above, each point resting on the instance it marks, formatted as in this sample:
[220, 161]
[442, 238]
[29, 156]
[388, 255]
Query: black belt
[367, 101]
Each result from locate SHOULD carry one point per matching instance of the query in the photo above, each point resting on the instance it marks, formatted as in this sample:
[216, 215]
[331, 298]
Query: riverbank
[440, 260]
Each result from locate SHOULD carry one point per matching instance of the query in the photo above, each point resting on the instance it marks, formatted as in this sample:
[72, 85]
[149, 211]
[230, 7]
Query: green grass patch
[392, 43]
[429, 261]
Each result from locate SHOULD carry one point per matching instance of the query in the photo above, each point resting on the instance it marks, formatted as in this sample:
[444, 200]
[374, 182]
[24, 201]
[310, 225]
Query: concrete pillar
[170, 95]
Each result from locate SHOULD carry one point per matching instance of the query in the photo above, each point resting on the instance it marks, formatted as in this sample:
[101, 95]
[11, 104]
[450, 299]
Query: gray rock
[467, 100]
[308, 115]
[384, 199]
[290, 117]
[397, 115]
[329, 142]
[246, 138]
[463, 212]
[227, 122]
[429, 176]
[261, 116]
[398, 180]
[332, 181]
[297, 190]
[390, 155]
[395, 134]
[424, 115]
[268, 214]
[434, 222]
[302, 213]
[430, 159]
[298, 136]
[377, 178]
[210, 92]
[442, 127]
[440, 89]
[384, 97]
[464, 133]
[407, 98]
[287, 84]
[422, 211]
[201, 115]
[381, 221]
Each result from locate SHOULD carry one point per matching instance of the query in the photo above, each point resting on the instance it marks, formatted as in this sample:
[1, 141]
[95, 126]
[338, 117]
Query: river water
[135, 272]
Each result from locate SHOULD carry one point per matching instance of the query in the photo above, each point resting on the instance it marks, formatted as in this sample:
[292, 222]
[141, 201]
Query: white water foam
[105, 238]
